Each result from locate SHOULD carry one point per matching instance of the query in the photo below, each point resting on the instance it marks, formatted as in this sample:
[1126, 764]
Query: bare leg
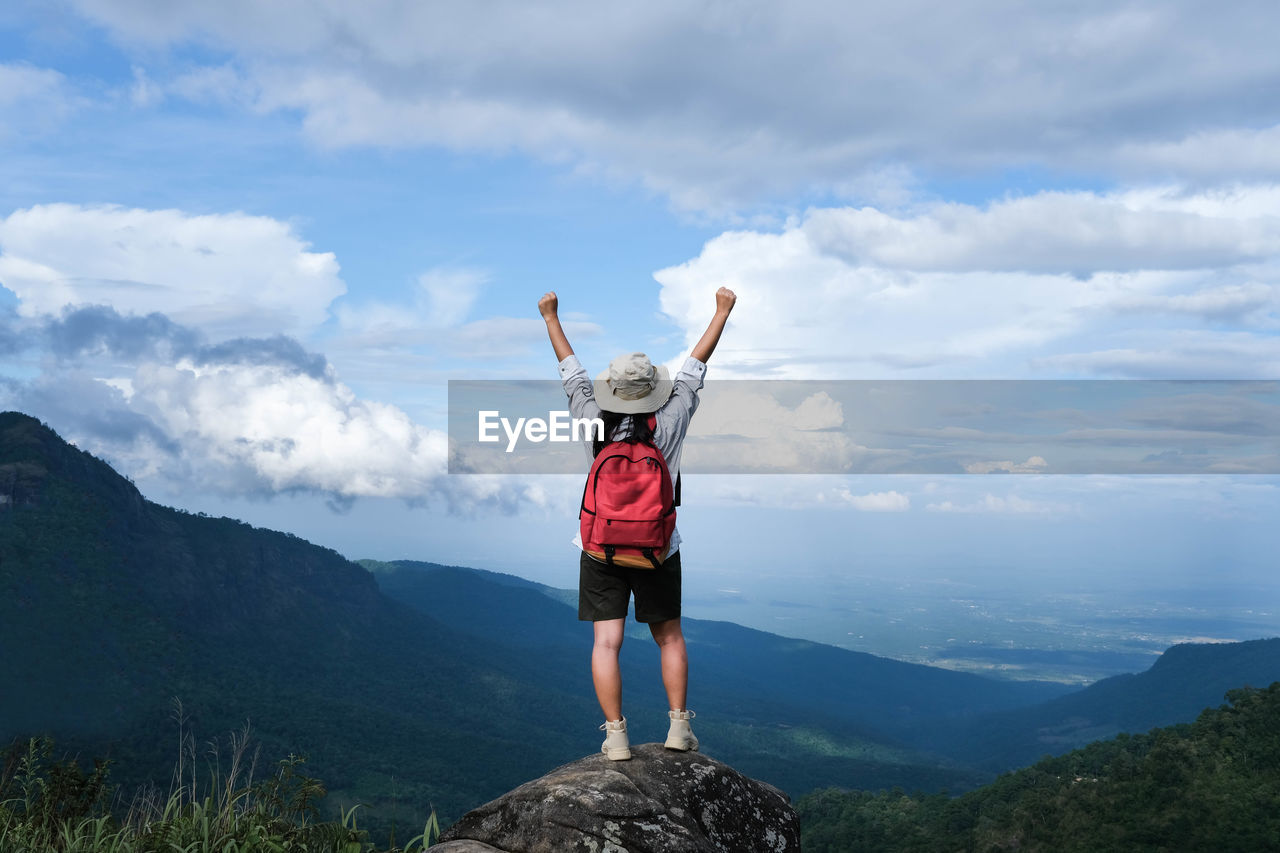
[605, 673]
[675, 661]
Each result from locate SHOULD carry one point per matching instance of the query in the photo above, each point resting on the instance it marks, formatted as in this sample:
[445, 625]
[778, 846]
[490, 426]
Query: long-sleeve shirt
[671, 421]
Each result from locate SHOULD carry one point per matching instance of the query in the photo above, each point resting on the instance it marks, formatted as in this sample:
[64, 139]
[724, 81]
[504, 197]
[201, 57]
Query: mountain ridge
[417, 683]
[115, 605]
[1182, 682]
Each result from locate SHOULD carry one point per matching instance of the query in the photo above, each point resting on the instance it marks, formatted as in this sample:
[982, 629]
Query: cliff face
[660, 800]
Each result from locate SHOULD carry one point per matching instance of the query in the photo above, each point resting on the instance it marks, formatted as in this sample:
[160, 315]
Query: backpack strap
[675, 500]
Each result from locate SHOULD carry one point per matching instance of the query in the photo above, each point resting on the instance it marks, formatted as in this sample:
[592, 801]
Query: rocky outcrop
[660, 800]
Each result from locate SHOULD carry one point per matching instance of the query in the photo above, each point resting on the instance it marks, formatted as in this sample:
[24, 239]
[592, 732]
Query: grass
[58, 807]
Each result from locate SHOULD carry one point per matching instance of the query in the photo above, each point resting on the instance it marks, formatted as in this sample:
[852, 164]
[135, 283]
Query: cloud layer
[242, 416]
[1139, 283]
[225, 273]
[717, 104]
[159, 339]
[195, 335]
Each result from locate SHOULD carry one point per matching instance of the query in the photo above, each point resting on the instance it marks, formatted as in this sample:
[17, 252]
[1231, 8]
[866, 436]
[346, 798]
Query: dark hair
[639, 430]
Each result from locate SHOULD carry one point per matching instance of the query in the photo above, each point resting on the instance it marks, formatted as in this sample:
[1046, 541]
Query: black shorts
[603, 591]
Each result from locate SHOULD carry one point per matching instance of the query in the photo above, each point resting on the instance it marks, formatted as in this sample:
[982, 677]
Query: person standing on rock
[640, 406]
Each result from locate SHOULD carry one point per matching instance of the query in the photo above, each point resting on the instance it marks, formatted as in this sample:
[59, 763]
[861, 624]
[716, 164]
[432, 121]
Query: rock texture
[660, 800]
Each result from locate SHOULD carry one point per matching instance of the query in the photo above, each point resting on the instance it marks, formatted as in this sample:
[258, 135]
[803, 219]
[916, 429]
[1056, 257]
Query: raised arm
[725, 298]
[548, 306]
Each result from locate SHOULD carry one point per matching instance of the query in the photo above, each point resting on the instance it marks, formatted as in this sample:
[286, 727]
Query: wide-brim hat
[633, 385]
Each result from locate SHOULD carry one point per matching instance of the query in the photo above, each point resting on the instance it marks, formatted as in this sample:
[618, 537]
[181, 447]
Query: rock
[660, 800]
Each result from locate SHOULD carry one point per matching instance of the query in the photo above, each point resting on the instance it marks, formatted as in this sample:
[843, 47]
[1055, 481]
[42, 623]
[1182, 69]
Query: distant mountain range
[784, 710]
[1182, 682]
[413, 685]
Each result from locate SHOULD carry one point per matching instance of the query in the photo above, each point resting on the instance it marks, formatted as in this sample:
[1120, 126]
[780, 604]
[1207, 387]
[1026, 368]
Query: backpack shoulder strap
[675, 501]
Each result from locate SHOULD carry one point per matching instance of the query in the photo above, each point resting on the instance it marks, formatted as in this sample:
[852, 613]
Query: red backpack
[628, 505]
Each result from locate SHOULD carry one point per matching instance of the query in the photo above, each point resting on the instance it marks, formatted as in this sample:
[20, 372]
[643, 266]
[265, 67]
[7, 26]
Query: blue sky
[243, 246]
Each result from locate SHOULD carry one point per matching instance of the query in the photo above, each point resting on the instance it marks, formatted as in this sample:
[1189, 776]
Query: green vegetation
[57, 807]
[417, 689]
[1211, 785]
[110, 605]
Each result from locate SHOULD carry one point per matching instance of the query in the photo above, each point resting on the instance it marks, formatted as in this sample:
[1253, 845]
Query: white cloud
[1230, 302]
[891, 501]
[1208, 155]
[1025, 286]
[1050, 232]
[226, 274]
[239, 428]
[241, 414]
[272, 429]
[718, 103]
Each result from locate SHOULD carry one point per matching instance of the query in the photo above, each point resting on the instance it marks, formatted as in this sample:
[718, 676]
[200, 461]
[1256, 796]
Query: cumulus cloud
[161, 340]
[718, 104]
[287, 430]
[1024, 286]
[228, 274]
[101, 330]
[240, 416]
[13, 338]
[97, 417]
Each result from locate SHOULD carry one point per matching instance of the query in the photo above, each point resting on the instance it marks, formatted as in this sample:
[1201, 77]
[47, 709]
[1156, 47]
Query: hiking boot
[680, 735]
[617, 746]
